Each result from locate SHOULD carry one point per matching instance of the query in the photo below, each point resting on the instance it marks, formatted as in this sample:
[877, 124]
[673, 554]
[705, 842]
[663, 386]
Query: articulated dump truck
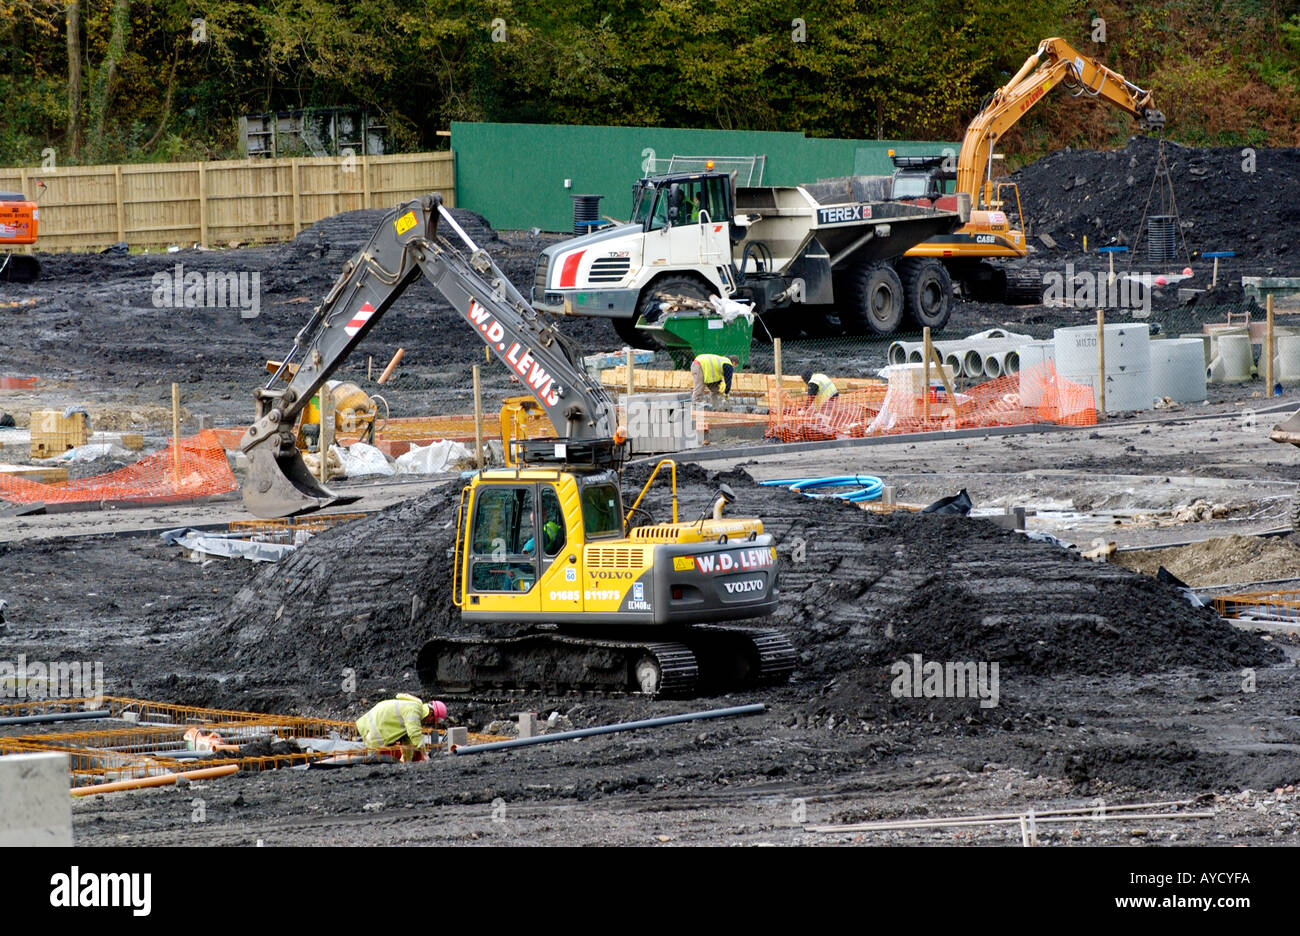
[812, 258]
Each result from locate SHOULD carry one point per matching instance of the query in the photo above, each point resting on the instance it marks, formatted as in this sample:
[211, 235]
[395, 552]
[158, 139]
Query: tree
[74, 78]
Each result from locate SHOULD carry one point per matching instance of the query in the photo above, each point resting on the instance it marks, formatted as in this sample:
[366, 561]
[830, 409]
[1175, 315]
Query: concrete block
[35, 808]
[659, 422]
[457, 737]
[527, 724]
[205, 421]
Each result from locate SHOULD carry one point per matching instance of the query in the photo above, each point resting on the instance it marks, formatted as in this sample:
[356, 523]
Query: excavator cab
[641, 610]
[522, 532]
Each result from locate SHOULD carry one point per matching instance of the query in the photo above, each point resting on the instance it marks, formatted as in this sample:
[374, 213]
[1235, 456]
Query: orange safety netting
[201, 471]
[1035, 395]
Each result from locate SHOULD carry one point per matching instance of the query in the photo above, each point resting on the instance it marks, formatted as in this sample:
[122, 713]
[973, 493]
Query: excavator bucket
[1288, 430]
[281, 486]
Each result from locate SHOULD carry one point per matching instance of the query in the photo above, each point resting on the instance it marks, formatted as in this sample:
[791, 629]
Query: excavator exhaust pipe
[279, 484]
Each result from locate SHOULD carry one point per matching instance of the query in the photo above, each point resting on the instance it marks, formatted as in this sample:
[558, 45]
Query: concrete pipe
[897, 352]
[915, 356]
[972, 363]
[1286, 363]
[993, 364]
[1235, 359]
[1011, 363]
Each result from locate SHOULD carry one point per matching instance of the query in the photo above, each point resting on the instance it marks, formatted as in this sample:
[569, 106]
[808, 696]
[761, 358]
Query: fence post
[203, 205]
[780, 382]
[925, 383]
[1268, 345]
[1101, 363]
[365, 183]
[326, 437]
[293, 173]
[176, 435]
[117, 198]
[631, 387]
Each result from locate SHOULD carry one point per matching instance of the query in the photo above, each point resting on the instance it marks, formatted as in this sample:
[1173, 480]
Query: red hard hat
[437, 710]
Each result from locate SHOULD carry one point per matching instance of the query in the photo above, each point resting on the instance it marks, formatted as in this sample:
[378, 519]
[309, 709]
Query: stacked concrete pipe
[970, 356]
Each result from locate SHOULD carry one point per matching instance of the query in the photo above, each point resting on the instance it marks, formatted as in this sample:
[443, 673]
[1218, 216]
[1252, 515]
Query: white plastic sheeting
[432, 459]
[359, 460]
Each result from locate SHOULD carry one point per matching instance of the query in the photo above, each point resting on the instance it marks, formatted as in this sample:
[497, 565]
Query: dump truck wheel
[877, 301]
[1295, 513]
[628, 333]
[927, 292]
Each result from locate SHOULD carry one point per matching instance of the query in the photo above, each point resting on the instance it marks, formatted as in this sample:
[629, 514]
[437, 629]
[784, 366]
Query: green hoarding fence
[521, 176]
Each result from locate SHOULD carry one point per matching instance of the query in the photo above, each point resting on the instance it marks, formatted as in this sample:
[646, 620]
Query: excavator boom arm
[406, 244]
[1054, 62]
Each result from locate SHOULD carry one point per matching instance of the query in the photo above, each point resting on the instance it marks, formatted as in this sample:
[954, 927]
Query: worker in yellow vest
[711, 372]
[400, 720]
[820, 387]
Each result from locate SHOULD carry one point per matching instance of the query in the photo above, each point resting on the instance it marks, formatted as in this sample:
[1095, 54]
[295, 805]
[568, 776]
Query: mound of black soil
[1224, 200]
[860, 591]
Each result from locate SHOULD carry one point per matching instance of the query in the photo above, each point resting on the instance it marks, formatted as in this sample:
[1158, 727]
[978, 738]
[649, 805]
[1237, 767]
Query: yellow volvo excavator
[543, 546]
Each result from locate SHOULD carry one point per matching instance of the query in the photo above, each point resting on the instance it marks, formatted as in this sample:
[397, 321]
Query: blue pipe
[870, 488]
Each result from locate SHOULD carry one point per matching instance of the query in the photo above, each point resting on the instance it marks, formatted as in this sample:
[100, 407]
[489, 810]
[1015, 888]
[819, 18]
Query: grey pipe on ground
[611, 729]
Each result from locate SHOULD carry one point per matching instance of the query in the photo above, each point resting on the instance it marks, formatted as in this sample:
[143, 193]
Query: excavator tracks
[699, 660]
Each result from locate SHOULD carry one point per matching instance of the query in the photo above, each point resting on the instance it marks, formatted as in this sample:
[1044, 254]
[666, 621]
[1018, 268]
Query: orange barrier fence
[1035, 395]
[202, 471]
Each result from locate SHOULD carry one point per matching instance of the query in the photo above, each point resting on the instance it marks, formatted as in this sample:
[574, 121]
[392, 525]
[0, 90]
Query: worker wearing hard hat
[400, 720]
[711, 372]
[820, 387]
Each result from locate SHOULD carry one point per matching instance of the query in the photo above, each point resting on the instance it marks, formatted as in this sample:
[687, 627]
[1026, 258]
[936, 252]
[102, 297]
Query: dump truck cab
[681, 223]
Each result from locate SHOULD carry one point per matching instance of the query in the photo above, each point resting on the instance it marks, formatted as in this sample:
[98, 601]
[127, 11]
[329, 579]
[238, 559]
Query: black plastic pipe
[53, 717]
[611, 729]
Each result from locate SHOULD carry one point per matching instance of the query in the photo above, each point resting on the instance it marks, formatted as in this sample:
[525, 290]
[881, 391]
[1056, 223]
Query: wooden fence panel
[160, 203]
[215, 203]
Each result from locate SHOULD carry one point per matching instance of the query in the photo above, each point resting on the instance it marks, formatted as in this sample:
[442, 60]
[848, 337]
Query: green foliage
[1221, 69]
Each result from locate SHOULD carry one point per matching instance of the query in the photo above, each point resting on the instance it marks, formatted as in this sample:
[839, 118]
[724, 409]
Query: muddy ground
[1112, 686]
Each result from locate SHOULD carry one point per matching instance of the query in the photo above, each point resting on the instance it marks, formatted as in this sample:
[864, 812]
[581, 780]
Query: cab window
[601, 510]
[706, 197]
[659, 216]
[504, 542]
[553, 536]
